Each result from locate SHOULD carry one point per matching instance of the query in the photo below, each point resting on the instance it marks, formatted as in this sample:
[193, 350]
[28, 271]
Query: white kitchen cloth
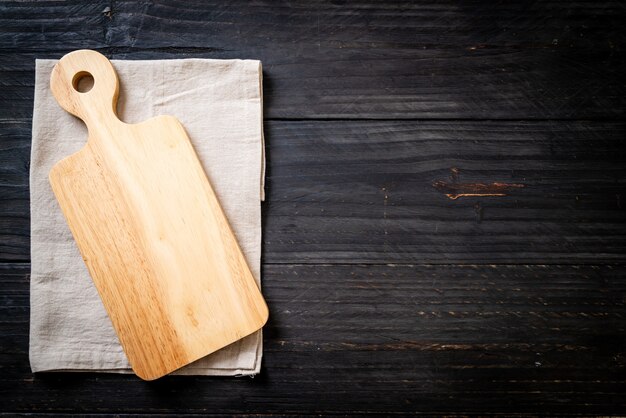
[219, 102]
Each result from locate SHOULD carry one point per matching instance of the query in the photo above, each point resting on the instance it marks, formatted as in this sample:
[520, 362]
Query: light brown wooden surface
[150, 229]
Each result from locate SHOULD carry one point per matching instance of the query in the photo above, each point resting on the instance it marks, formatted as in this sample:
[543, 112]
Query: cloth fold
[219, 102]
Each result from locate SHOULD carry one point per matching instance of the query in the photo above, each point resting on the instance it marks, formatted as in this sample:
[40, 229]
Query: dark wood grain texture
[380, 339]
[14, 198]
[444, 229]
[380, 191]
[354, 192]
[447, 59]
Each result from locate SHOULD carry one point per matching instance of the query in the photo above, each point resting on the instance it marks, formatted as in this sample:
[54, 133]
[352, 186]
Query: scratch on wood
[454, 189]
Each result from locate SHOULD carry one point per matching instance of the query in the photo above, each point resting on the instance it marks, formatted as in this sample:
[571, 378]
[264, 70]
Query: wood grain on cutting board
[150, 229]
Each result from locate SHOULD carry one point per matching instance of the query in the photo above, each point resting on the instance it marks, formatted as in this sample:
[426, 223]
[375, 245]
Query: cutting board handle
[96, 106]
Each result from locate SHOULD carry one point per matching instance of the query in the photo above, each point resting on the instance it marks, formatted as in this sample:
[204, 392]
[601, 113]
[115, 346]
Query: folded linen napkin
[219, 102]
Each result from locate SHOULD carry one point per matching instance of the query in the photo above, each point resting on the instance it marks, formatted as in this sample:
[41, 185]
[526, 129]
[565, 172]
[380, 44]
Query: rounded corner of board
[63, 166]
[148, 377]
[265, 316]
[54, 174]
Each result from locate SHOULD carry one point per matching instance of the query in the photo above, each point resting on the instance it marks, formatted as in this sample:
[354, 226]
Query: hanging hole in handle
[83, 82]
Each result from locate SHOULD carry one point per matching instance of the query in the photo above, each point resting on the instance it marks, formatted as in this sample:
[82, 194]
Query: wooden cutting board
[150, 229]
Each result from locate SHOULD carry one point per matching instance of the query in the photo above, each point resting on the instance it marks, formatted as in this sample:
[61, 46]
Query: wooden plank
[14, 198]
[363, 59]
[377, 192]
[32, 25]
[386, 339]
[354, 192]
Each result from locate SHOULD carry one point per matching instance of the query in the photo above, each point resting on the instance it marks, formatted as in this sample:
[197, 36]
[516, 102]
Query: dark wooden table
[445, 226]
